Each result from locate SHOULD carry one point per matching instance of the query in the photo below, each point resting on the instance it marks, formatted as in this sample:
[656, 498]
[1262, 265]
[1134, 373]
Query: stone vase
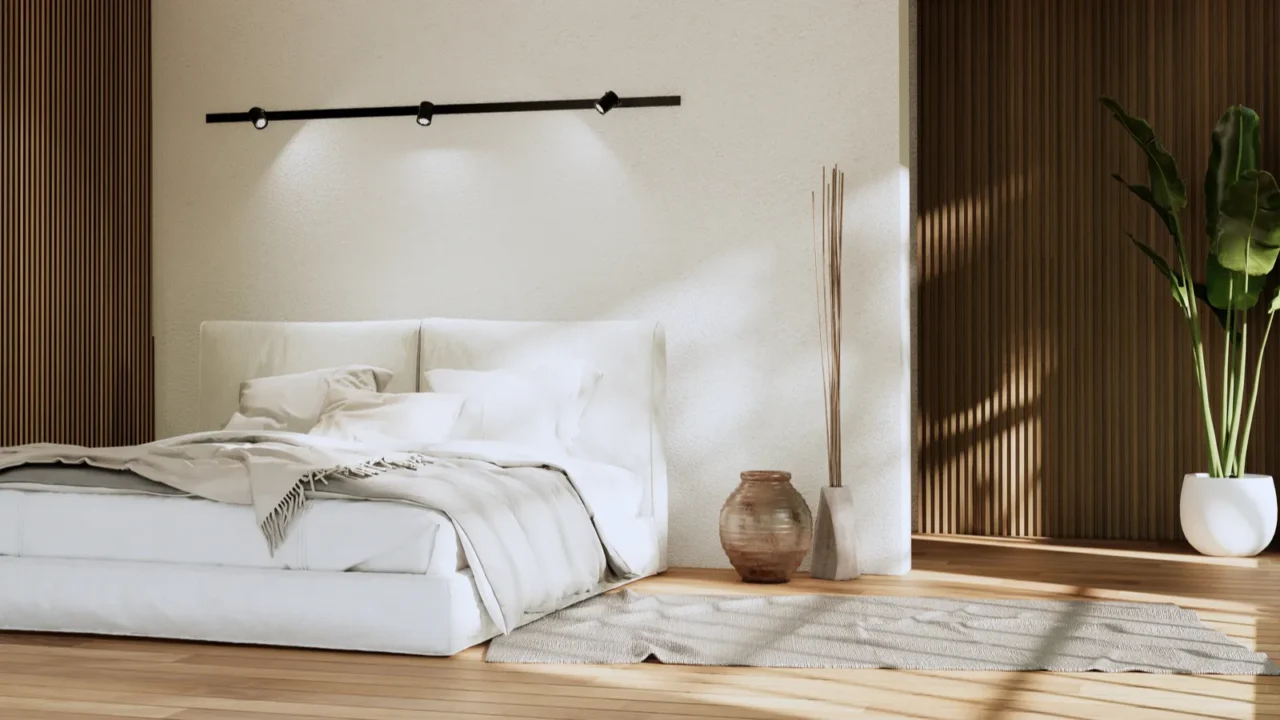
[835, 539]
[765, 527]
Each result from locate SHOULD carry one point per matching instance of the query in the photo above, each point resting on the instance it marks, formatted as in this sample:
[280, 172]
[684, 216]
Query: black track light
[607, 102]
[425, 111]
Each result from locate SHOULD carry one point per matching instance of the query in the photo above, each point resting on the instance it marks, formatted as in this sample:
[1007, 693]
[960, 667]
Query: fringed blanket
[534, 529]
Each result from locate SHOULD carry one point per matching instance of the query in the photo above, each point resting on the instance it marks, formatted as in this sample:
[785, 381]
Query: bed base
[381, 612]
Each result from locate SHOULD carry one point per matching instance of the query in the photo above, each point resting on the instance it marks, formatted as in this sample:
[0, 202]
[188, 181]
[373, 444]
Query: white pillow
[537, 406]
[403, 419]
[294, 402]
[500, 405]
[243, 422]
[575, 385]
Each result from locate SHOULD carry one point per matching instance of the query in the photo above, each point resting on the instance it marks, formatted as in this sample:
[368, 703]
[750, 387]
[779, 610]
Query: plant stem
[1228, 392]
[1197, 350]
[1237, 382]
[1202, 381]
[1253, 397]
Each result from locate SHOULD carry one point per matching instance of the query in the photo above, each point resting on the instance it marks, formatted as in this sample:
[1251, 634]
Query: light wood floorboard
[64, 677]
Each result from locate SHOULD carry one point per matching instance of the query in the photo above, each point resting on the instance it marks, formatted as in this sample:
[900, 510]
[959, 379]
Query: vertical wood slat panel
[1055, 389]
[75, 255]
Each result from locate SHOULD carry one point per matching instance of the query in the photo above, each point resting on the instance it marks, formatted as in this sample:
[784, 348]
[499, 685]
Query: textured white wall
[696, 216]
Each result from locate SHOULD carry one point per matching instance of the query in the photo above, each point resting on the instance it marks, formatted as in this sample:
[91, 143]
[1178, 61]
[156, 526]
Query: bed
[350, 573]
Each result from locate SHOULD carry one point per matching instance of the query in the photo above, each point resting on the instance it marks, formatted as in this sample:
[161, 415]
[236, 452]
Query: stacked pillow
[401, 419]
[295, 402]
[539, 407]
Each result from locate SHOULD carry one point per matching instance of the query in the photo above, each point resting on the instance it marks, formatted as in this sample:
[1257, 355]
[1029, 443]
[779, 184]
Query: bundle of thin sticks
[828, 250]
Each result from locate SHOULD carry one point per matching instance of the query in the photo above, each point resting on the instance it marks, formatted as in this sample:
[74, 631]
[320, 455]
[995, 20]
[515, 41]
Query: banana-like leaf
[1202, 292]
[1275, 302]
[1175, 283]
[1156, 258]
[1229, 290]
[1236, 147]
[1144, 193]
[1248, 238]
[1167, 188]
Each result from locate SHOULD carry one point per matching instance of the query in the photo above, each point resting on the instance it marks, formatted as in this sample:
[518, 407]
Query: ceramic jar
[765, 527]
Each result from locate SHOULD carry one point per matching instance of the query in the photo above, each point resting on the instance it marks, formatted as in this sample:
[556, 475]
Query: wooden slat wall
[1055, 390]
[75, 255]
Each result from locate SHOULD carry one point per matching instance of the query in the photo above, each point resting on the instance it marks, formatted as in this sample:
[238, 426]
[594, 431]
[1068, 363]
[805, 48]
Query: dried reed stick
[828, 254]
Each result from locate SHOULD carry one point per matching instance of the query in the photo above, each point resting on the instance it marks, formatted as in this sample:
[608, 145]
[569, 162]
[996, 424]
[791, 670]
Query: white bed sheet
[331, 535]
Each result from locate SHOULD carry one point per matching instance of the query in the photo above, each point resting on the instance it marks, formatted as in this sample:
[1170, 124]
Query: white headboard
[623, 423]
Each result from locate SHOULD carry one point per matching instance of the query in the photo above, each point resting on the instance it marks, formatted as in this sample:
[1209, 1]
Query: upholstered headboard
[622, 425]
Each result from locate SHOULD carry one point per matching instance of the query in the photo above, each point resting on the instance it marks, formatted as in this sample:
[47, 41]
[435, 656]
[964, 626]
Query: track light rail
[259, 117]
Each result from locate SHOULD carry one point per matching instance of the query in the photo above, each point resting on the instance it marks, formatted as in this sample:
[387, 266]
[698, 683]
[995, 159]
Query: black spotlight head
[258, 116]
[425, 111]
[607, 102]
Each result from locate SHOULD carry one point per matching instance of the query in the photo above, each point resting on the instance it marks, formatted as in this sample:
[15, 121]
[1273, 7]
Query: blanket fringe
[276, 525]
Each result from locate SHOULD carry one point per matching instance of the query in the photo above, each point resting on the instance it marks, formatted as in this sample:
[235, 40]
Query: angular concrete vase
[1228, 517]
[835, 543]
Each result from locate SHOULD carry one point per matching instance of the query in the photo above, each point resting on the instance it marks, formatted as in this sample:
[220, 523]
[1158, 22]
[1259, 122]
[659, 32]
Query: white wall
[697, 216]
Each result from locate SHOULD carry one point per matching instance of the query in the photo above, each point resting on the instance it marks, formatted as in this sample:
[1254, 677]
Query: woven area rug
[918, 633]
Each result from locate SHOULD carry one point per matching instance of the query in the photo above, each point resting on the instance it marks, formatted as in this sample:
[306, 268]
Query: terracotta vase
[765, 527]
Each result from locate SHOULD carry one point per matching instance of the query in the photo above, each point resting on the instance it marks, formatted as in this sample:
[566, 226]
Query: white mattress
[331, 535]
[385, 612]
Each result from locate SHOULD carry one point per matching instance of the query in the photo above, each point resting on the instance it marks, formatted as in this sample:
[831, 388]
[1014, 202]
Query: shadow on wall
[733, 286]
[474, 220]
[741, 424]
[985, 364]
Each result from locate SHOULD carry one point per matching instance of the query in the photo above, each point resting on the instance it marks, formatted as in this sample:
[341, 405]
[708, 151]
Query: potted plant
[1224, 511]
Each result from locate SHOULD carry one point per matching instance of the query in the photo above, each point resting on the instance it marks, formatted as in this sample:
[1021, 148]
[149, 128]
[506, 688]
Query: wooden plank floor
[59, 677]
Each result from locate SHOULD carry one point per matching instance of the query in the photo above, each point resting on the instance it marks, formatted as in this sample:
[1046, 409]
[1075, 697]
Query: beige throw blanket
[532, 542]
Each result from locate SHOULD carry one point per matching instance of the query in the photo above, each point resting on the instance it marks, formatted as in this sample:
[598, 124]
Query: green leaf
[1144, 193]
[1202, 292]
[1275, 302]
[1156, 258]
[1167, 188]
[1248, 238]
[1236, 147]
[1162, 265]
[1229, 290]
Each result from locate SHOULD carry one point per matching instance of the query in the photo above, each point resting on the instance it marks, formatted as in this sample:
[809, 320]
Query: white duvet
[533, 538]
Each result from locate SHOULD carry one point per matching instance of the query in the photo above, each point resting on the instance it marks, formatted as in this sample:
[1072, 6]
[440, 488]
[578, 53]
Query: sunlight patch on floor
[1163, 552]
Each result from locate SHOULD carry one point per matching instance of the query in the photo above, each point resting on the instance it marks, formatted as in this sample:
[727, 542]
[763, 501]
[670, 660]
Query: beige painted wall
[697, 216]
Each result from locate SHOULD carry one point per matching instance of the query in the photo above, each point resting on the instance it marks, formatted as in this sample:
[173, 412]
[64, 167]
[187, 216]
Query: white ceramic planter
[1228, 517]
